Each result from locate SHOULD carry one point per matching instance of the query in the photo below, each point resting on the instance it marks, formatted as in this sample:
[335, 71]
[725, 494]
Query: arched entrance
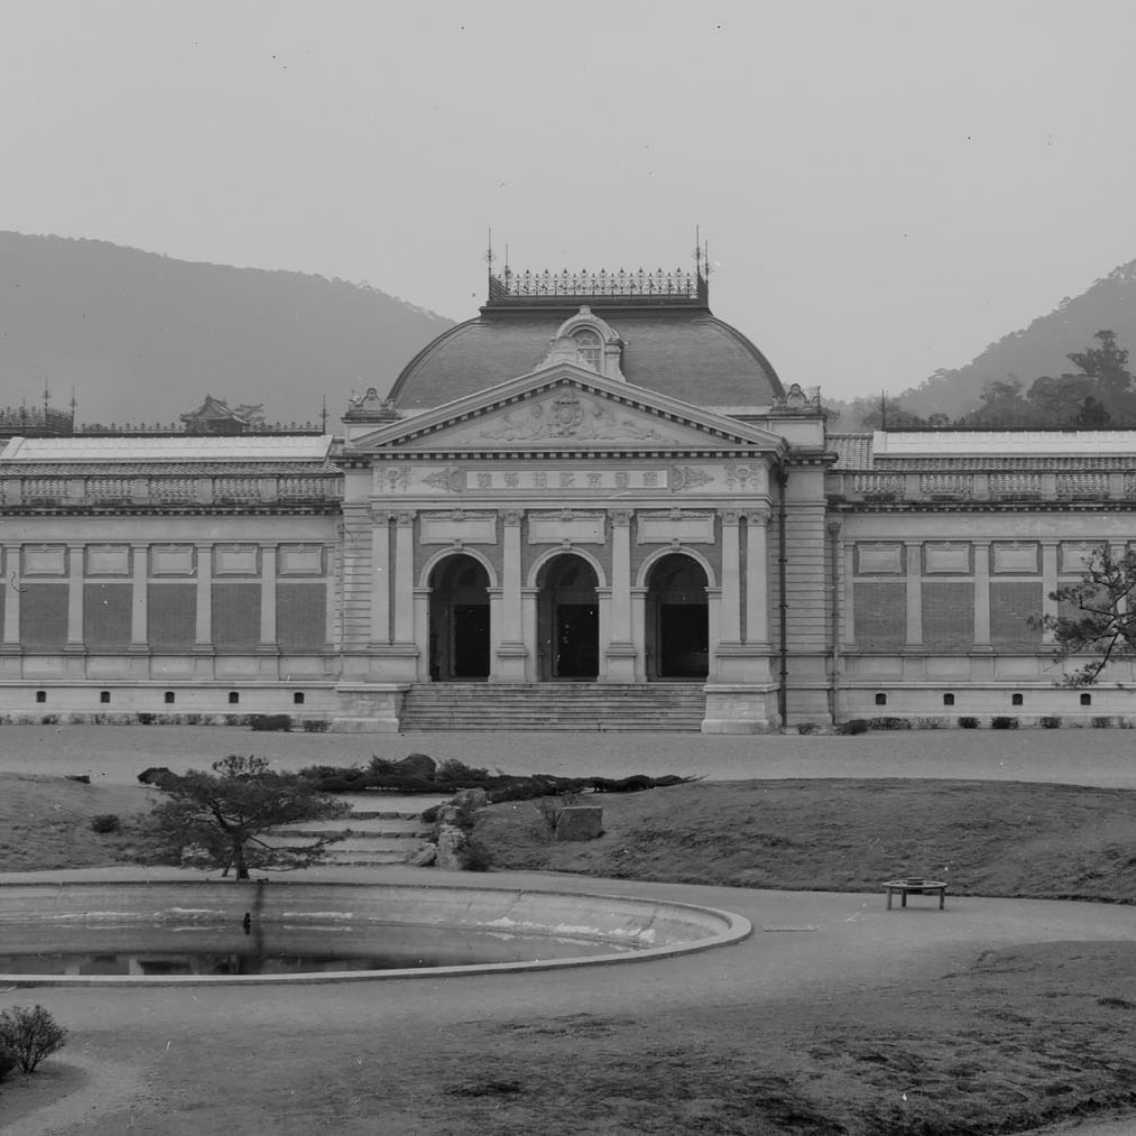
[568, 621]
[459, 620]
[677, 624]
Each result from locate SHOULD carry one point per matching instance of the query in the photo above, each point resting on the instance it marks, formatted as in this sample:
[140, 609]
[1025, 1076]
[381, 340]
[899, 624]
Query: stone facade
[607, 487]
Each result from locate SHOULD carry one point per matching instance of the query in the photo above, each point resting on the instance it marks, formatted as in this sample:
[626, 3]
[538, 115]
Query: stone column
[508, 629]
[11, 641]
[1049, 584]
[268, 599]
[913, 555]
[757, 577]
[380, 576]
[982, 596]
[404, 579]
[620, 653]
[729, 611]
[139, 598]
[74, 597]
[332, 633]
[203, 639]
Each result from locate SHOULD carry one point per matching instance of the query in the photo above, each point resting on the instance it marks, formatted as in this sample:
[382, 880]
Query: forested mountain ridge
[141, 337]
[1038, 350]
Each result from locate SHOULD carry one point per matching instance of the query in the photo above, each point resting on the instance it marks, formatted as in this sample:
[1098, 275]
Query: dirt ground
[854, 1021]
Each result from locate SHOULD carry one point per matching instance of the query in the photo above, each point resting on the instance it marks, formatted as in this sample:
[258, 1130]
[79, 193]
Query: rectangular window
[948, 615]
[1012, 604]
[236, 617]
[171, 619]
[301, 617]
[879, 611]
[43, 616]
[106, 616]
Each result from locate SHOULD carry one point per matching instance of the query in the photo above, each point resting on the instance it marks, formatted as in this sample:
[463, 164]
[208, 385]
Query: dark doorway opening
[459, 621]
[678, 625]
[568, 620]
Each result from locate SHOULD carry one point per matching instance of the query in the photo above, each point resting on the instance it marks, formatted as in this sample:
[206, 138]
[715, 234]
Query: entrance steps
[583, 706]
[381, 829]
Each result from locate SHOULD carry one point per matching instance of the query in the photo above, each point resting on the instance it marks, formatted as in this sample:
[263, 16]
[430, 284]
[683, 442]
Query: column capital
[730, 516]
[405, 518]
[621, 518]
[381, 514]
[834, 525]
[511, 517]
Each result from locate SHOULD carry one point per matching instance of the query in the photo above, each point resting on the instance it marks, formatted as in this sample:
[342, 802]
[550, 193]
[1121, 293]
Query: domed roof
[671, 344]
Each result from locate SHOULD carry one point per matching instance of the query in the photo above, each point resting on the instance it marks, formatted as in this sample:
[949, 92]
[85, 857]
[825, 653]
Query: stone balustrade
[888, 486]
[62, 491]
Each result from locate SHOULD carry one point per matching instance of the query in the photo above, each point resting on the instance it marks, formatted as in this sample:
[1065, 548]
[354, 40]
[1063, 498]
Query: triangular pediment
[563, 408]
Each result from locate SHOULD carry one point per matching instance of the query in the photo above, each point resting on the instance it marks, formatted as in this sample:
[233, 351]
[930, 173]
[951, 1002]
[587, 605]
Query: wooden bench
[915, 885]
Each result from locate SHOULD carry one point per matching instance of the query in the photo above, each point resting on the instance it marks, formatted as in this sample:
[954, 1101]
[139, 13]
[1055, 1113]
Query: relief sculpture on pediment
[569, 416]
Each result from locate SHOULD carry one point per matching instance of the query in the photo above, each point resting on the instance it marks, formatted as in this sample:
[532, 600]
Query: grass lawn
[980, 1041]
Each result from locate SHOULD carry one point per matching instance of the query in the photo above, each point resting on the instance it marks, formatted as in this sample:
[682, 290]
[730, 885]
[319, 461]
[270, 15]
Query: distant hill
[142, 337]
[1037, 350]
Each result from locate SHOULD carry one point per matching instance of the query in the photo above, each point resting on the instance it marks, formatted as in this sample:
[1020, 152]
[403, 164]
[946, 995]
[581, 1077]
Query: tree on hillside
[1107, 364]
[1003, 408]
[227, 814]
[1096, 615]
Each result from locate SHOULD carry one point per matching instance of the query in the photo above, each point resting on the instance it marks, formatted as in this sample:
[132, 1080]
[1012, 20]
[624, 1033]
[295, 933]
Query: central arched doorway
[459, 620]
[677, 626]
[568, 620]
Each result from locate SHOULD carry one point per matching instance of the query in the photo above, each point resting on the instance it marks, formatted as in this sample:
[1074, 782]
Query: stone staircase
[665, 706]
[383, 828]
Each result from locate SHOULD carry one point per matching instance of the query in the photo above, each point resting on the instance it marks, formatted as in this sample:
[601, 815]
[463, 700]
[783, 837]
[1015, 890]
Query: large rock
[580, 822]
[470, 799]
[420, 766]
[451, 842]
[423, 856]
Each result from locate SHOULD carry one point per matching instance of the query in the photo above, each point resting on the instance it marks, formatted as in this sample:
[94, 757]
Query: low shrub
[316, 725]
[1051, 722]
[277, 723]
[31, 1035]
[49, 720]
[105, 822]
[807, 728]
[1002, 723]
[888, 724]
[853, 726]
[928, 723]
[453, 770]
[146, 719]
[8, 1061]
[968, 723]
[155, 775]
[1102, 723]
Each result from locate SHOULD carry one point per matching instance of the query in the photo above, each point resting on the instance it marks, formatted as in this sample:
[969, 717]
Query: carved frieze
[502, 480]
[448, 480]
[750, 478]
[391, 479]
[689, 477]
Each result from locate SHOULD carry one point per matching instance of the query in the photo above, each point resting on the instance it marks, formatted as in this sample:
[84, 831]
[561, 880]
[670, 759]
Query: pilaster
[621, 652]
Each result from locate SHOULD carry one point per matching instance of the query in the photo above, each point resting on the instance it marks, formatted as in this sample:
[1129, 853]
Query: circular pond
[217, 931]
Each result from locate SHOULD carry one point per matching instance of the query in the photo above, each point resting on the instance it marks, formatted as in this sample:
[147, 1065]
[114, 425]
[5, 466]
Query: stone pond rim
[653, 928]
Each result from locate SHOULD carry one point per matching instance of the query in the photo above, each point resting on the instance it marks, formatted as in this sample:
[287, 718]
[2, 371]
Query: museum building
[592, 506]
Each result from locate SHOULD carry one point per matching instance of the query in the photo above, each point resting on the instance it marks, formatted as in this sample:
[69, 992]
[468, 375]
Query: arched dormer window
[589, 347]
[587, 339]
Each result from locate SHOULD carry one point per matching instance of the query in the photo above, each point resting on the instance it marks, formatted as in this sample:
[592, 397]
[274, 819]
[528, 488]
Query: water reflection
[146, 951]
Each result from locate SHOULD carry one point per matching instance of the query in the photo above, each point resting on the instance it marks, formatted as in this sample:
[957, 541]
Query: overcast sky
[886, 186]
